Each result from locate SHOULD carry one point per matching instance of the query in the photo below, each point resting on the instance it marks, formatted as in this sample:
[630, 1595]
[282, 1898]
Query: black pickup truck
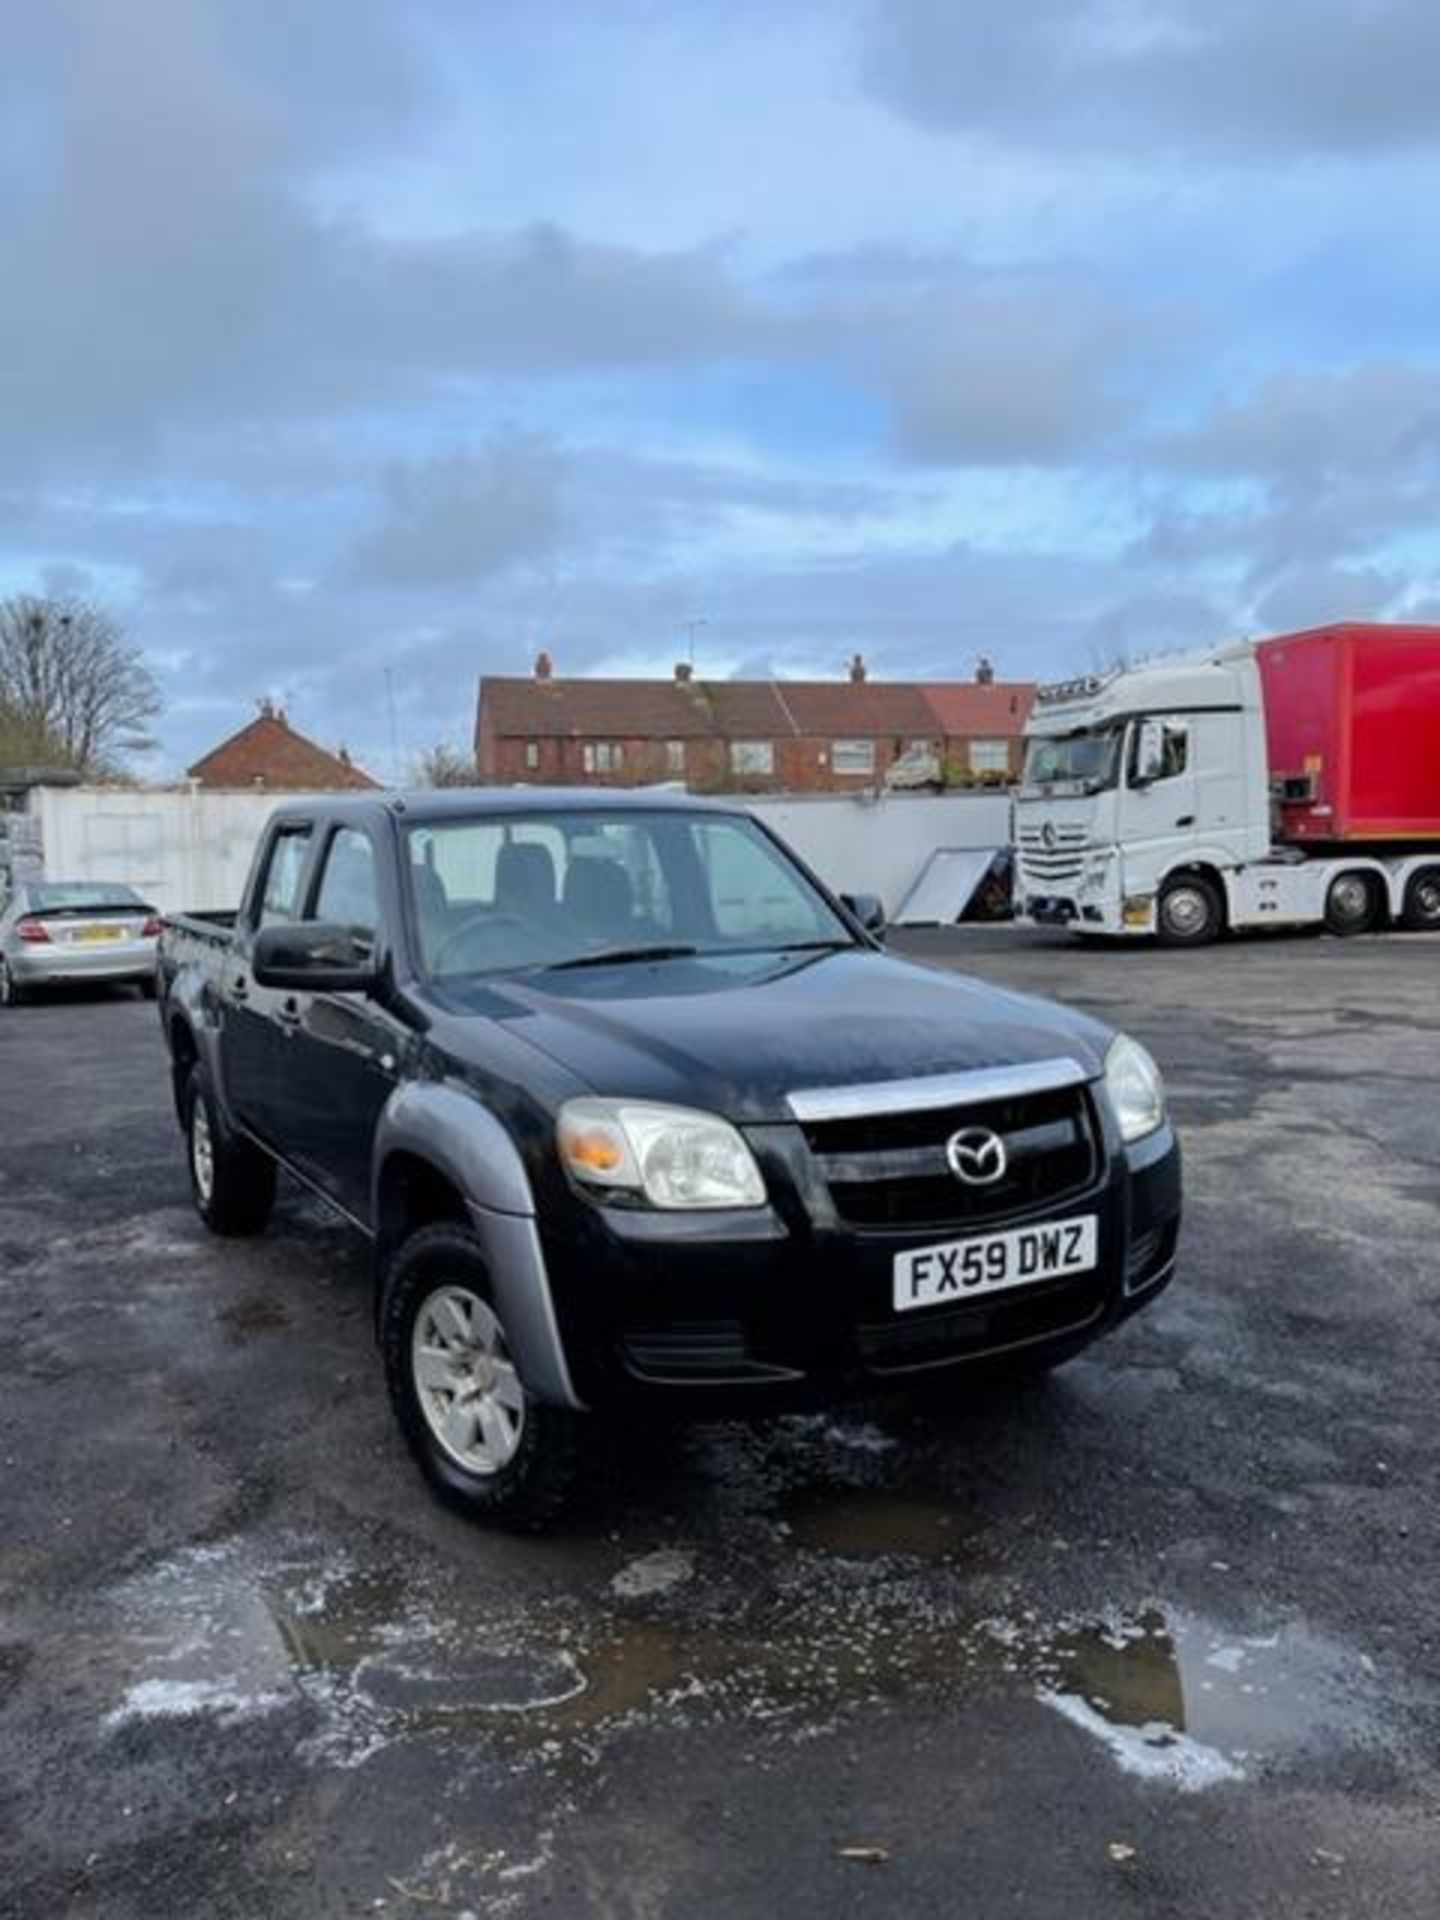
[631, 1106]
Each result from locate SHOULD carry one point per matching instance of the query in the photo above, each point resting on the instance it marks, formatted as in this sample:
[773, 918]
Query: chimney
[984, 672]
[858, 670]
[544, 665]
[684, 671]
[267, 708]
[282, 716]
[343, 756]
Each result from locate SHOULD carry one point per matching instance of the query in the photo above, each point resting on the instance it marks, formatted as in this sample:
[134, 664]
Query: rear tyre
[231, 1182]
[481, 1439]
[1190, 913]
[1422, 901]
[1352, 904]
[12, 994]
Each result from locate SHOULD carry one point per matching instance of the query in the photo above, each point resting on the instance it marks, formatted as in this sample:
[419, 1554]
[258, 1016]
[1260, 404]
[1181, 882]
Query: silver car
[55, 932]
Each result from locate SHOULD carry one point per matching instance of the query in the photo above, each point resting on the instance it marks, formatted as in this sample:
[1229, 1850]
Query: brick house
[790, 736]
[270, 753]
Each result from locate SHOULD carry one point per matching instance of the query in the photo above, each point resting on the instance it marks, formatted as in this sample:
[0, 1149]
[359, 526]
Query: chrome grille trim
[934, 1090]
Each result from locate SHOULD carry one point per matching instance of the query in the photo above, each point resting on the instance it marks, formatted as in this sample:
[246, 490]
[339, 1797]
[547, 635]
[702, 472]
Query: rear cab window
[284, 876]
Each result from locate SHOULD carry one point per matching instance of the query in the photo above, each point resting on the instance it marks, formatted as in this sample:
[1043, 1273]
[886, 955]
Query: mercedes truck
[1290, 782]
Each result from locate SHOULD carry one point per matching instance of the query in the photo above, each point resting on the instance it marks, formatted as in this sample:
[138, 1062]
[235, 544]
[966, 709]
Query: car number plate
[92, 934]
[960, 1269]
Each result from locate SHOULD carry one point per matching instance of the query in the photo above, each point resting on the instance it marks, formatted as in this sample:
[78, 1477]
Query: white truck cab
[1145, 808]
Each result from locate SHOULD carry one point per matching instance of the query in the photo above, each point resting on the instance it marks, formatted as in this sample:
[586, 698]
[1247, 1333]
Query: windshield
[510, 892]
[1086, 759]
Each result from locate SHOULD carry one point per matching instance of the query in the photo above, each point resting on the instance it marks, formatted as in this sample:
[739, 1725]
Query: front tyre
[479, 1436]
[231, 1182]
[1189, 913]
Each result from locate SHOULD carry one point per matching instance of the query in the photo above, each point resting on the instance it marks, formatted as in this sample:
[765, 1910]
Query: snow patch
[1154, 1751]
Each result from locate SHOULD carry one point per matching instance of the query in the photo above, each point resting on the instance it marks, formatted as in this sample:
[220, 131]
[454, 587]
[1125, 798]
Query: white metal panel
[945, 887]
[191, 848]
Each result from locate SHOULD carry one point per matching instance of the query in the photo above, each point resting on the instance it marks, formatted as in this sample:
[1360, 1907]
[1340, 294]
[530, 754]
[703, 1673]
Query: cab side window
[284, 871]
[1174, 751]
[1176, 754]
[349, 893]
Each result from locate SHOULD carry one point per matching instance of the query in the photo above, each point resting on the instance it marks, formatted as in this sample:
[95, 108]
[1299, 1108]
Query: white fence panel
[191, 849]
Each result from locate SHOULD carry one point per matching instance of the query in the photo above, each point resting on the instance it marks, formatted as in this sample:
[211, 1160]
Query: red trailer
[1352, 718]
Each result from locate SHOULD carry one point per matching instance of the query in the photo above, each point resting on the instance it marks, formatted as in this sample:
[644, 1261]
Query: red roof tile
[965, 709]
[270, 752]
[580, 709]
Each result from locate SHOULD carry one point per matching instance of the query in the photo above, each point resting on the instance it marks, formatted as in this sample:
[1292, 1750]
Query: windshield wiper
[616, 956]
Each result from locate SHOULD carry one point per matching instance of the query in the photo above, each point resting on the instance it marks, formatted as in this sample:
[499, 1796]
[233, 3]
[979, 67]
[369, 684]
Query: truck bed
[213, 927]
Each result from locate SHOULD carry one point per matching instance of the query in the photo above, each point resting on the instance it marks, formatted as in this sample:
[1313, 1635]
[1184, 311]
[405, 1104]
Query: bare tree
[444, 766]
[69, 676]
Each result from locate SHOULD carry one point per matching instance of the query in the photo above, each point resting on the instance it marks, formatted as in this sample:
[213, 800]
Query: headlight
[1137, 1093]
[672, 1156]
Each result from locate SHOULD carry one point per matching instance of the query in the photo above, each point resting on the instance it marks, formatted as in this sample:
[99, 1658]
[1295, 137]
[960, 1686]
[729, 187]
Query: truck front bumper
[1134, 915]
[781, 1308]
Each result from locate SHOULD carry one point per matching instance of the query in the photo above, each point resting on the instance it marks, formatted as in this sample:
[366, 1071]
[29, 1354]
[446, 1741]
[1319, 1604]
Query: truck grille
[890, 1170]
[1041, 865]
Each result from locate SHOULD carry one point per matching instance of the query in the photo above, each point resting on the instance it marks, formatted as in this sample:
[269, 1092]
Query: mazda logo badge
[976, 1156]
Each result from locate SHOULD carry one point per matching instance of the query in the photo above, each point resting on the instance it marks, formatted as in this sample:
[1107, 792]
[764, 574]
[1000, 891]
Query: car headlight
[1137, 1093]
[672, 1156]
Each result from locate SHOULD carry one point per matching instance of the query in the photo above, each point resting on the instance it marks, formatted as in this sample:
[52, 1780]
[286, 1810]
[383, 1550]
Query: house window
[675, 756]
[990, 756]
[602, 756]
[532, 755]
[752, 756]
[852, 756]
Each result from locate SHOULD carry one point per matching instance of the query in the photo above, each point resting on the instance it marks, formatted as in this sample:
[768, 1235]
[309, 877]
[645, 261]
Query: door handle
[288, 1013]
[1186, 820]
[239, 987]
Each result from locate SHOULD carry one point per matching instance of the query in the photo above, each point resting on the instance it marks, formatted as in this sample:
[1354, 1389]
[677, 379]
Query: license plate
[91, 934]
[961, 1269]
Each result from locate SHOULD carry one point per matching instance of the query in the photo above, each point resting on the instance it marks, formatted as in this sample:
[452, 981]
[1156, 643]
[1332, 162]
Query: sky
[352, 351]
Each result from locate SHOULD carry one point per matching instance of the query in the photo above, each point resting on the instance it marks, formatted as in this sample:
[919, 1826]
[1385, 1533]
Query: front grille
[889, 1170]
[1041, 865]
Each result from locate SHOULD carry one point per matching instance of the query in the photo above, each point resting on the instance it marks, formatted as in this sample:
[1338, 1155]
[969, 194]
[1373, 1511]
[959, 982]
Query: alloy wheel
[202, 1152]
[465, 1380]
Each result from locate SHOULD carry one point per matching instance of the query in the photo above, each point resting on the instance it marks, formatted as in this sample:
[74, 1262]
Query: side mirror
[1149, 754]
[868, 909]
[312, 956]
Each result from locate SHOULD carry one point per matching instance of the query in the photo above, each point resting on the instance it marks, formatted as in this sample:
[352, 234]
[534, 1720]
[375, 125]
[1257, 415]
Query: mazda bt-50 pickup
[630, 1106]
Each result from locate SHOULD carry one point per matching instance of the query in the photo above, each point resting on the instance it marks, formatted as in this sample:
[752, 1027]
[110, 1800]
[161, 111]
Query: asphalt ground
[1156, 1637]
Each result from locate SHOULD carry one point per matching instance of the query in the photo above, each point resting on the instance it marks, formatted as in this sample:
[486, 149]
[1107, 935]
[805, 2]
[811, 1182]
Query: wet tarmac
[1156, 1636]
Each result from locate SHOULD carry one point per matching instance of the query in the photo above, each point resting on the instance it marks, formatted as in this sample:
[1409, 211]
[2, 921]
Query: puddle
[373, 1658]
[1173, 1700]
[865, 1521]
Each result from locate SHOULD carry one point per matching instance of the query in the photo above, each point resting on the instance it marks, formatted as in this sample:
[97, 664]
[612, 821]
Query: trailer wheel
[1422, 901]
[1352, 904]
[1190, 914]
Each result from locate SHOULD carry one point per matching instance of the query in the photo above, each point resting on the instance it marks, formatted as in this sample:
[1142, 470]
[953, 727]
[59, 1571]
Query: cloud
[1229, 79]
[1322, 424]
[456, 518]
